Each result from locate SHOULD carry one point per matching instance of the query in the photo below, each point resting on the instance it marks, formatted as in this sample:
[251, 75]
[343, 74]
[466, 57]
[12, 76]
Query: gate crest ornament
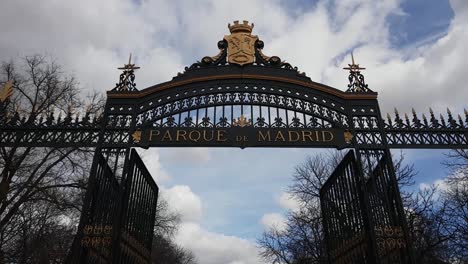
[242, 121]
[241, 43]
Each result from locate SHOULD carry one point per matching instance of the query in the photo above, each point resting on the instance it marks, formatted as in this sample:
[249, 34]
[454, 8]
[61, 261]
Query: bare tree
[165, 251]
[302, 241]
[455, 197]
[41, 189]
[40, 177]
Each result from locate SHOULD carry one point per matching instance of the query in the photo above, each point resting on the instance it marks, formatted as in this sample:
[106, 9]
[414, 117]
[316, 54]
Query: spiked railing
[70, 120]
[433, 132]
[68, 130]
[448, 122]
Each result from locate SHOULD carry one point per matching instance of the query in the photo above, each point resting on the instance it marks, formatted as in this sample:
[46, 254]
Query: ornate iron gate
[98, 216]
[138, 215]
[239, 98]
[118, 217]
[343, 209]
[386, 211]
[363, 216]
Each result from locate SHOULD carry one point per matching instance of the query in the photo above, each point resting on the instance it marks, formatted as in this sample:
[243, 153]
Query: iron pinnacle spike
[388, 116]
[413, 111]
[448, 111]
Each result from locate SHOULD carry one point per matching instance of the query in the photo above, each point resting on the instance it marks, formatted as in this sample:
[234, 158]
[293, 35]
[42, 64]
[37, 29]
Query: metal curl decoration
[126, 82]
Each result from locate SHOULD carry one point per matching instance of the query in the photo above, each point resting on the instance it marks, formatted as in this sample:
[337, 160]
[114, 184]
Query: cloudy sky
[413, 51]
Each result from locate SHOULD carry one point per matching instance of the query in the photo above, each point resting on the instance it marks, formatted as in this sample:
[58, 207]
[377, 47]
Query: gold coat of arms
[241, 44]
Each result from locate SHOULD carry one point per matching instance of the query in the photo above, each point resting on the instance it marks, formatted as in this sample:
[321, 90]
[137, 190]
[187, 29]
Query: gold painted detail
[241, 122]
[348, 137]
[357, 83]
[6, 91]
[129, 66]
[136, 136]
[353, 67]
[241, 43]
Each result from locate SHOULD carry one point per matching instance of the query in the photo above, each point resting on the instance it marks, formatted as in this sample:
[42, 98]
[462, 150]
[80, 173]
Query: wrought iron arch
[249, 95]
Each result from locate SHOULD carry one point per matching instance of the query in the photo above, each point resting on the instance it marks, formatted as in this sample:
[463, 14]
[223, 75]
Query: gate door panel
[343, 221]
[139, 210]
[99, 219]
[386, 216]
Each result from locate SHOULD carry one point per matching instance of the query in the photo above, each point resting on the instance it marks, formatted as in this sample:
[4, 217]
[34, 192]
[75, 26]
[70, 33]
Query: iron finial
[353, 67]
[356, 79]
[129, 65]
[127, 77]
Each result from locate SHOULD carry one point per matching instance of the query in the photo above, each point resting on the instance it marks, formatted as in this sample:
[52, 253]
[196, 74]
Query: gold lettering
[208, 139]
[192, 138]
[221, 133]
[280, 136]
[167, 135]
[307, 134]
[180, 134]
[262, 137]
[317, 138]
[242, 138]
[290, 133]
[325, 138]
[152, 134]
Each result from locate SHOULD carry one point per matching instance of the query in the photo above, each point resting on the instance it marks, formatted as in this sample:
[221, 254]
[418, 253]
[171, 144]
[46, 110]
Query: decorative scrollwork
[357, 83]
[127, 78]
[217, 60]
[241, 48]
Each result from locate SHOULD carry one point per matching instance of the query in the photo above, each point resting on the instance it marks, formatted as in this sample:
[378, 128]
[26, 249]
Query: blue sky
[413, 51]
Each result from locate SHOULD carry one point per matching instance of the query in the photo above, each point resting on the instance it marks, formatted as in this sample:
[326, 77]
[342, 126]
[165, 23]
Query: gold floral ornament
[241, 43]
[6, 91]
[241, 122]
[136, 136]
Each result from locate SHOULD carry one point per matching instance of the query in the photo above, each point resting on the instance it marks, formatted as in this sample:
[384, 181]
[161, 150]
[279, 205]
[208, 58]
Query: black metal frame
[363, 217]
[214, 96]
[269, 94]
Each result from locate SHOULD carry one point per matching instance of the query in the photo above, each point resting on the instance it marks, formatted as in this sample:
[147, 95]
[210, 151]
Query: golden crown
[244, 27]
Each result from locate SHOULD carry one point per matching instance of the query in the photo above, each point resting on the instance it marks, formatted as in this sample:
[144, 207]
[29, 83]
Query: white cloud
[184, 201]
[420, 77]
[193, 155]
[151, 158]
[208, 247]
[214, 248]
[288, 201]
[439, 184]
[273, 220]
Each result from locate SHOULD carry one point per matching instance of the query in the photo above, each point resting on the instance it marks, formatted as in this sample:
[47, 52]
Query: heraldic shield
[241, 44]
[241, 48]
